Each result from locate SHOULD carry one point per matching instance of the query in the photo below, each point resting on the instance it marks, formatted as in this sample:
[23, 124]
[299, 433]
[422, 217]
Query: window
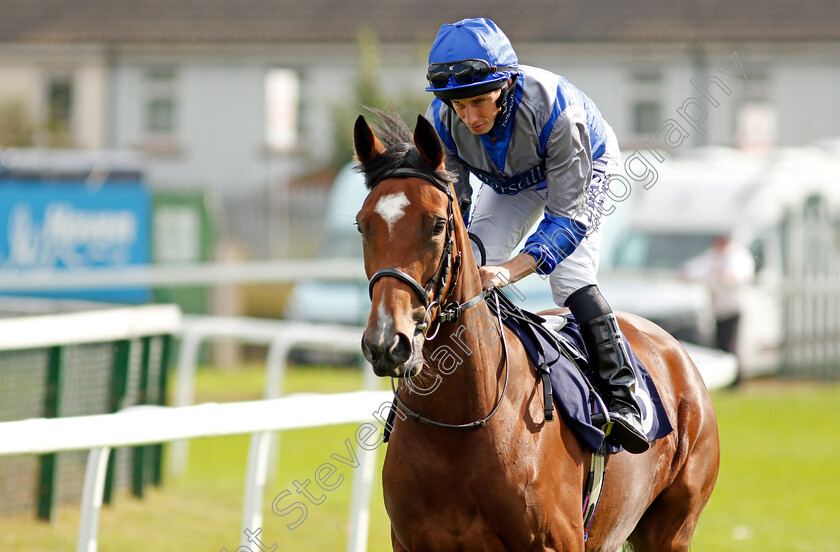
[161, 107]
[646, 117]
[756, 118]
[645, 90]
[282, 96]
[161, 118]
[59, 110]
[650, 250]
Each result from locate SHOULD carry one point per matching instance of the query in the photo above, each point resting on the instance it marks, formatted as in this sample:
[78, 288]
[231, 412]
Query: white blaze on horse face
[384, 325]
[391, 208]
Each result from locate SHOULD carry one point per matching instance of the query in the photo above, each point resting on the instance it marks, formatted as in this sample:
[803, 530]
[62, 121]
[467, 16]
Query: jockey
[541, 149]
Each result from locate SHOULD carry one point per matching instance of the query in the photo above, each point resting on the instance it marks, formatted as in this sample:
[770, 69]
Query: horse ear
[367, 145]
[428, 143]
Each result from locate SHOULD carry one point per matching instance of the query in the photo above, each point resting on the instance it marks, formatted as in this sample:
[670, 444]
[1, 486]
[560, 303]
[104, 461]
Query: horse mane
[400, 152]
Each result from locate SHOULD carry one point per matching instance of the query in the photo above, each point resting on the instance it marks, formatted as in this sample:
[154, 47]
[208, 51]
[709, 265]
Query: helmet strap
[506, 89]
[502, 102]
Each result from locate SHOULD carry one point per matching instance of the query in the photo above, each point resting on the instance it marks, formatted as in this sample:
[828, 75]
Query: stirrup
[628, 435]
[622, 431]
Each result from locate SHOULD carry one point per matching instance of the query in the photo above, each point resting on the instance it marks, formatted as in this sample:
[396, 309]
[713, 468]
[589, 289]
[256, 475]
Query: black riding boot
[613, 373]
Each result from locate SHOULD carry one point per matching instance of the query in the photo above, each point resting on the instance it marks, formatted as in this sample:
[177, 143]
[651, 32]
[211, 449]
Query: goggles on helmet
[465, 71]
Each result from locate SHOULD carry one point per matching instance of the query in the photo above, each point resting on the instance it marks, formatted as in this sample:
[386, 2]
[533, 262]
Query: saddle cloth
[574, 397]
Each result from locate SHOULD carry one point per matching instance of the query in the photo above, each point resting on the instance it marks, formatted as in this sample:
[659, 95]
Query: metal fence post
[160, 400]
[140, 455]
[119, 386]
[97, 468]
[362, 488]
[48, 480]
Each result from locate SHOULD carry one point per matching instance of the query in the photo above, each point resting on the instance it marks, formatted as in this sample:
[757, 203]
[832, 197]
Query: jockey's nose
[470, 115]
[387, 355]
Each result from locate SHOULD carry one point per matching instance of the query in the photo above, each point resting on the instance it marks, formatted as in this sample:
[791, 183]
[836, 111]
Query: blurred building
[242, 97]
[223, 94]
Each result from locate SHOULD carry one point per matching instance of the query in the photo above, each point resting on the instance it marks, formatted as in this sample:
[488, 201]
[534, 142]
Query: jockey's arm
[507, 273]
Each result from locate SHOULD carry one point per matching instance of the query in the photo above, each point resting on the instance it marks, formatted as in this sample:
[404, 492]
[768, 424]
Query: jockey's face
[479, 112]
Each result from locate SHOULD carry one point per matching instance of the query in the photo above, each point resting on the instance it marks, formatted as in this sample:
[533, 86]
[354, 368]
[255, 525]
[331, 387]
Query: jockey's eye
[439, 228]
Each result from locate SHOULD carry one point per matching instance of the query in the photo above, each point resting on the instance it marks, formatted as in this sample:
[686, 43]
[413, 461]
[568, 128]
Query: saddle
[556, 348]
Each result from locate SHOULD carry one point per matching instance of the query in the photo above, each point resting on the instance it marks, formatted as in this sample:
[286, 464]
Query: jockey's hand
[493, 276]
[506, 273]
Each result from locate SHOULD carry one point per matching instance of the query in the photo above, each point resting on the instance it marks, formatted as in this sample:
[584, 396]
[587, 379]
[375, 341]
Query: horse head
[411, 233]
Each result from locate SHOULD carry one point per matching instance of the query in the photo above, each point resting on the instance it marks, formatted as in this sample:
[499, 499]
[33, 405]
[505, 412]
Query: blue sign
[64, 225]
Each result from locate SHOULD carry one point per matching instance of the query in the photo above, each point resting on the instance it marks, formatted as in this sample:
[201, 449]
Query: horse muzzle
[392, 356]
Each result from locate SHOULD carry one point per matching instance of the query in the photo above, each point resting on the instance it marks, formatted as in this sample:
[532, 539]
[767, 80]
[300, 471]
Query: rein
[469, 425]
[447, 267]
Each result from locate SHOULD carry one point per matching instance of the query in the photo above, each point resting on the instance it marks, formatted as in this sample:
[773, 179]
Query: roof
[278, 21]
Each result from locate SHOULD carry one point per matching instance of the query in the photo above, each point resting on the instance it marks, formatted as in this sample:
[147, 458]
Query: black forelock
[400, 152]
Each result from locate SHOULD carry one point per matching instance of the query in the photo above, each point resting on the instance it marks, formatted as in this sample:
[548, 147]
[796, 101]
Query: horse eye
[439, 227]
[358, 228]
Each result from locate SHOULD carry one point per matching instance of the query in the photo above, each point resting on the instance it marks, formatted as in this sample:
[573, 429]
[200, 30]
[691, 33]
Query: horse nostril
[401, 350]
[366, 350]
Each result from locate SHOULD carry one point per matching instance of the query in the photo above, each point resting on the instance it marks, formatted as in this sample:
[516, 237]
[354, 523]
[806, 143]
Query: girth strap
[548, 396]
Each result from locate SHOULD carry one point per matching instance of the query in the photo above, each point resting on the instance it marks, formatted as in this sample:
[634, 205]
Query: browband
[408, 172]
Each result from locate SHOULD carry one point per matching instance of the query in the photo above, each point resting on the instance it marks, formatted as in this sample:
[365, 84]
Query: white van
[702, 194]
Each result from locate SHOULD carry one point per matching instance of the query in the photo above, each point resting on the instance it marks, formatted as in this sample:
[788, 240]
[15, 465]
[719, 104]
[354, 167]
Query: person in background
[727, 267]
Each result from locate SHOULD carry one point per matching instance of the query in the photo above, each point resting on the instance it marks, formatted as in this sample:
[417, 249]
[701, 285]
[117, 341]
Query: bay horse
[472, 464]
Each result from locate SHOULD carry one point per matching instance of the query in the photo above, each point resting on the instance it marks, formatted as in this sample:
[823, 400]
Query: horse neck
[465, 361]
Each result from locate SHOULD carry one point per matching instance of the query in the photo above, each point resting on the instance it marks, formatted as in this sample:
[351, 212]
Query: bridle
[431, 296]
[448, 267]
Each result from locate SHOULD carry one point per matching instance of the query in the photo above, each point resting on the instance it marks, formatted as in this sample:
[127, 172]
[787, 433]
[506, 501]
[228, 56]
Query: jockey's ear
[368, 147]
[428, 143]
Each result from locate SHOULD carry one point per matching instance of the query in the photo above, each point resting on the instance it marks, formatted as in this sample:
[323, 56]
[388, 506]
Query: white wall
[90, 109]
[219, 140]
[808, 100]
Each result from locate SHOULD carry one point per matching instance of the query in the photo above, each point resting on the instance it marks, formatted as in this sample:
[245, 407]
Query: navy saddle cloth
[571, 392]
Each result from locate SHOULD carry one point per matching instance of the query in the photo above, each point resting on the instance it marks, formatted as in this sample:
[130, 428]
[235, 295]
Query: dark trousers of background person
[726, 337]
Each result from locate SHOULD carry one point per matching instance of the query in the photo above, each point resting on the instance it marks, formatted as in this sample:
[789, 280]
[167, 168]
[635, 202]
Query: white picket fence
[280, 337]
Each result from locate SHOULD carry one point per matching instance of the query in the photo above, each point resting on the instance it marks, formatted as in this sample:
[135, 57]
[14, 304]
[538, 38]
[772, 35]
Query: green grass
[778, 488]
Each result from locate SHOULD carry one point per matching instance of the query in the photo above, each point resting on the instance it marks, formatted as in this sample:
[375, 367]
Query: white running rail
[34, 332]
[183, 275]
[280, 337]
[145, 425]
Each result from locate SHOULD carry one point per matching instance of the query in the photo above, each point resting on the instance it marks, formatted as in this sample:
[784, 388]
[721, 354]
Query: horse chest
[469, 494]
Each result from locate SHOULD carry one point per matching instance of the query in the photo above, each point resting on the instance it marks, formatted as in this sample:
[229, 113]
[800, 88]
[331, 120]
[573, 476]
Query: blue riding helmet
[470, 58]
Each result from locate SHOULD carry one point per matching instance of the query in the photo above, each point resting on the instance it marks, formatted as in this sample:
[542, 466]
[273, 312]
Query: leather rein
[447, 268]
